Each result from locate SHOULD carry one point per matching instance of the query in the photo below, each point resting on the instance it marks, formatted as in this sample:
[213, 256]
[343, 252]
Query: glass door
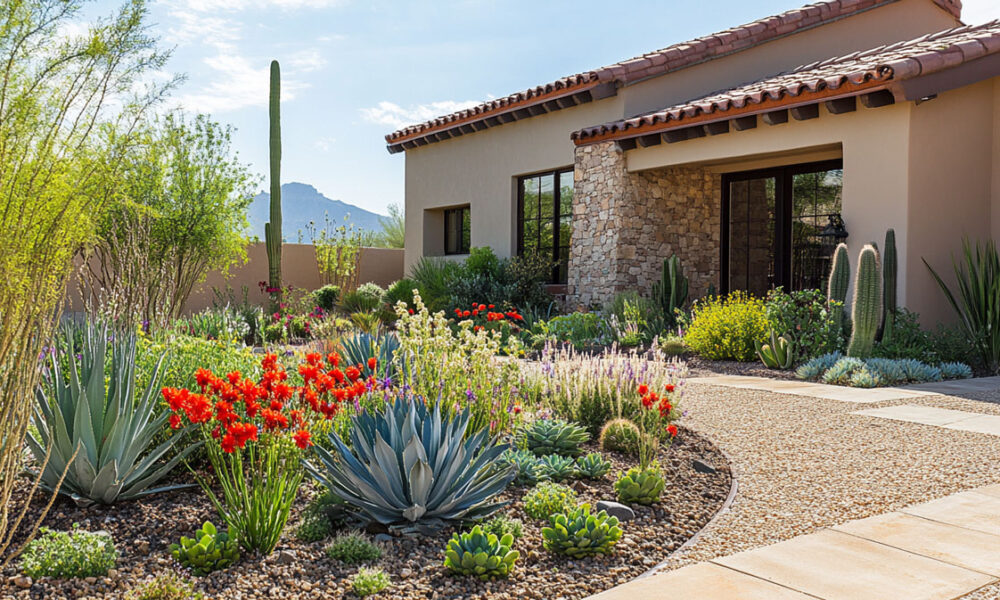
[752, 219]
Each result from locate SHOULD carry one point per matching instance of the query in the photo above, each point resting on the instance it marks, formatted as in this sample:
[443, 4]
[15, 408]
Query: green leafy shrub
[481, 554]
[582, 329]
[353, 548]
[620, 435]
[554, 436]
[526, 465]
[166, 586]
[326, 297]
[727, 328]
[806, 319]
[274, 332]
[65, 554]
[209, 550]
[367, 582]
[555, 467]
[909, 339]
[578, 533]
[318, 519]
[502, 525]
[362, 300]
[401, 291]
[640, 486]
[548, 498]
[592, 466]
[433, 277]
[482, 261]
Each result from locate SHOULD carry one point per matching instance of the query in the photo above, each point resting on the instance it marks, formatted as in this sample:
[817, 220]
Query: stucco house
[736, 151]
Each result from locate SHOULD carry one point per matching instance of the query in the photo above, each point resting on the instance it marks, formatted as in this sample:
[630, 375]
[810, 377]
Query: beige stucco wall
[480, 169]
[298, 268]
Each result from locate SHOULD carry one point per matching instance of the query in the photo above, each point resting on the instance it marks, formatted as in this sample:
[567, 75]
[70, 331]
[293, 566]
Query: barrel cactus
[620, 435]
[866, 311]
[554, 436]
[578, 533]
[640, 485]
[480, 554]
[209, 551]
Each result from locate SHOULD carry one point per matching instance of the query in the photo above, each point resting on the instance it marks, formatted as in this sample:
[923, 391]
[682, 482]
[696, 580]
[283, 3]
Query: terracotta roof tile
[902, 60]
[667, 59]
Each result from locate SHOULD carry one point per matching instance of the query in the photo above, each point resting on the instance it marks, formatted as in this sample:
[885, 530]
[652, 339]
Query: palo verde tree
[57, 92]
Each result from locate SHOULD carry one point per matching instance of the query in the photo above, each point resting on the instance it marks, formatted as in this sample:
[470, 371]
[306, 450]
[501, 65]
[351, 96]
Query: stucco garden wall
[625, 224]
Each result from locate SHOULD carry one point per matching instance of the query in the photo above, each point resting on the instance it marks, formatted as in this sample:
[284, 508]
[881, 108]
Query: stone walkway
[813, 390]
[938, 550]
[939, 417]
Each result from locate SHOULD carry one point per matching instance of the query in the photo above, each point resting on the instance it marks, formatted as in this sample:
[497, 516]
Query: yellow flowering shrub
[727, 328]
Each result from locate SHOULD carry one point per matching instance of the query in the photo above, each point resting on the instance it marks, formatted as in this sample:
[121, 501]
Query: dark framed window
[545, 218]
[457, 230]
[771, 220]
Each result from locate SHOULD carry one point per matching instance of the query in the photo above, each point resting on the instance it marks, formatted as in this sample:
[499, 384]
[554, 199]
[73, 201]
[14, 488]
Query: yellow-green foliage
[727, 328]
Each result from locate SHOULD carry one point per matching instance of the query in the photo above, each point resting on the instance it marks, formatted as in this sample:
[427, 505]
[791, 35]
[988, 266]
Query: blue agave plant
[411, 469]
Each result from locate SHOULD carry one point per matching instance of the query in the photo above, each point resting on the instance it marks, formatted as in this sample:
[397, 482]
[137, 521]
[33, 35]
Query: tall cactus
[840, 279]
[889, 267]
[671, 291]
[867, 306]
[272, 229]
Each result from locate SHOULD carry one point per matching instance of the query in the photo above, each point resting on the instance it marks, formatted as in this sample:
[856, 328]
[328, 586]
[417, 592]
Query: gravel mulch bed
[701, 367]
[804, 464]
[143, 529]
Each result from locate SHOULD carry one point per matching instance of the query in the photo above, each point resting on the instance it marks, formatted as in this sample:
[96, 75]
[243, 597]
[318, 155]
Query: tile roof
[660, 62]
[834, 77]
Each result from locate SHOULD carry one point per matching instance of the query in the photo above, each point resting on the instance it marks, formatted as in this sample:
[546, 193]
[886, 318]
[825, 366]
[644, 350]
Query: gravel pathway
[803, 464]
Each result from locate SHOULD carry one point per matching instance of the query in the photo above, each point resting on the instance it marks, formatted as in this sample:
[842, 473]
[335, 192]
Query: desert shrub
[401, 291]
[579, 328]
[353, 548]
[482, 261]
[166, 586]
[727, 328]
[368, 297]
[951, 344]
[547, 499]
[369, 581]
[319, 518]
[326, 297]
[528, 275]
[502, 525]
[804, 317]
[65, 554]
[433, 277]
[908, 340]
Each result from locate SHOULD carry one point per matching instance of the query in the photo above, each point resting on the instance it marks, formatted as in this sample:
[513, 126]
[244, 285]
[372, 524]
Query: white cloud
[305, 61]
[394, 115]
[239, 84]
[239, 5]
[323, 144]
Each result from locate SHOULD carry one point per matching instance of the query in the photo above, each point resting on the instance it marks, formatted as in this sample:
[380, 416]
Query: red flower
[301, 438]
[466, 313]
[175, 421]
[411, 311]
[353, 373]
[672, 430]
[669, 387]
[643, 389]
[491, 306]
[482, 307]
[371, 363]
[228, 443]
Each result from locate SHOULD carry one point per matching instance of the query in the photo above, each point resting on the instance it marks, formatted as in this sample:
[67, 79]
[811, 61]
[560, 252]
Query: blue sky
[356, 70]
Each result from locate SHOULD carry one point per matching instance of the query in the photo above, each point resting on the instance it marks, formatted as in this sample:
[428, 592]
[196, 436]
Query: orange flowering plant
[655, 420]
[256, 432]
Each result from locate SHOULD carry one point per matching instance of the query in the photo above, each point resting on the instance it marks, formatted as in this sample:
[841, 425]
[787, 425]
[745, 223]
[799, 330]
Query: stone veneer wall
[625, 224]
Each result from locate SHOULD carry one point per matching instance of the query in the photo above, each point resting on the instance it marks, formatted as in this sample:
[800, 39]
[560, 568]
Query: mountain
[302, 203]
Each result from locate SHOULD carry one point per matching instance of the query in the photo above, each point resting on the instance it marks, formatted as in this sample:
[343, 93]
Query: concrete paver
[972, 510]
[700, 581]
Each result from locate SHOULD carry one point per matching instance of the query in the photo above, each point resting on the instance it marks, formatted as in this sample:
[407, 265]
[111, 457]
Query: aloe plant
[779, 354]
[410, 469]
[107, 425]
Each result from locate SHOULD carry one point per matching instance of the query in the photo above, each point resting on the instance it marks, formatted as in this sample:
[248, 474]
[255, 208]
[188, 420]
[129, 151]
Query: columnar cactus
[272, 229]
[840, 278]
[670, 293]
[866, 310]
[889, 266]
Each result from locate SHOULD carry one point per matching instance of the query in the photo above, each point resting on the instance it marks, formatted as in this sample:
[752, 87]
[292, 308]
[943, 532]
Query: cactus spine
[272, 229]
[889, 266]
[670, 293]
[840, 278]
[866, 310]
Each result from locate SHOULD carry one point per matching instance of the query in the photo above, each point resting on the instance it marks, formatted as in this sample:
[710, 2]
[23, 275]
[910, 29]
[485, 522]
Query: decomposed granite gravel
[803, 464]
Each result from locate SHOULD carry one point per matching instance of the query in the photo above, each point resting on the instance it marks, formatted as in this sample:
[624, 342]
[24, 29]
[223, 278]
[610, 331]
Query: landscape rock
[615, 509]
[702, 466]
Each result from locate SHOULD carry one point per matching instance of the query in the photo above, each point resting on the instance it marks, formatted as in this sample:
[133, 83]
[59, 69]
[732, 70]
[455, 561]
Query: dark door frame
[783, 215]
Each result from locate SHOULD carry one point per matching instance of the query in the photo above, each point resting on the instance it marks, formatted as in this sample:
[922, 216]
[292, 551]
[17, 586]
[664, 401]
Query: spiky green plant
[209, 550]
[640, 486]
[480, 554]
[356, 349]
[411, 469]
[554, 436]
[977, 299]
[671, 291]
[579, 533]
[620, 435]
[840, 279]
[779, 354]
[528, 469]
[272, 229]
[95, 407]
[866, 310]
[889, 268]
[592, 466]
[557, 468]
[814, 368]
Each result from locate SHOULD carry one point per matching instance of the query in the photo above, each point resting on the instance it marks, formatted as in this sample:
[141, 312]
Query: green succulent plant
[620, 435]
[640, 486]
[554, 436]
[409, 468]
[209, 550]
[592, 466]
[557, 468]
[547, 499]
[528, 471]
[95, 407]
[578, 533]
[501, 525]
[480, 554]
[778, 354]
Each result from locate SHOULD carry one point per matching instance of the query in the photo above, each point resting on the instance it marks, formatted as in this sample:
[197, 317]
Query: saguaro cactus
[840, 278]
[672, 289]
[889, 266]
[866, 310]
[272, 229]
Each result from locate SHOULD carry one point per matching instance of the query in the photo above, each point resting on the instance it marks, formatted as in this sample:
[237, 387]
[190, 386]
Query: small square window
[457, 231]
